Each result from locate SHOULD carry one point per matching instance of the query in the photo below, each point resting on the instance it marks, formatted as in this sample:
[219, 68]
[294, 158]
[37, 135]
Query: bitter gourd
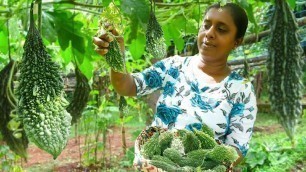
[207, 142]
[206, 129]
[114, 57]
[190, 141]
[220, 168]
[165, 139]
[198, 154]
[173, 154]
[80, 96]
[163, 159]
[223, 154]
[151, 147]
[163, 165]
[284, 66]
[41, 102]
[155, 42]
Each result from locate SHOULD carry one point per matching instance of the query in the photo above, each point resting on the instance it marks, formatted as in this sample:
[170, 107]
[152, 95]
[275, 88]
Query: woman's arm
[123, 83]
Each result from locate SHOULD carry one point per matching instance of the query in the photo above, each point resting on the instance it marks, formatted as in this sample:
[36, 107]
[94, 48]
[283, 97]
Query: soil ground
[70, 158]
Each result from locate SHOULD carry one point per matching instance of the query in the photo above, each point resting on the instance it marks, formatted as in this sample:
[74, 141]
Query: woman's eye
[221, 29]
[206, 26]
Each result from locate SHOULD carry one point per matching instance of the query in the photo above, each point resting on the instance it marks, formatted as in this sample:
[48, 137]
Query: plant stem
[82, 9]
[74, 3]
[184, 4]
[39, 16]
[8, 39]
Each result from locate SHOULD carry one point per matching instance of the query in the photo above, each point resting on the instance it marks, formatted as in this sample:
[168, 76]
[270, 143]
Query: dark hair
[239, 16]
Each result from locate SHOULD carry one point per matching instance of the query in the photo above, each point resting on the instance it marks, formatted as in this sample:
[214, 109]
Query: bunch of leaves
[276, 156]
[9, 160]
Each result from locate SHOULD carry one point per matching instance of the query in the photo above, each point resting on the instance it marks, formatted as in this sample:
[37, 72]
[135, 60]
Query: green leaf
[87, 68]
[171, 32]
[90, 50]
[3, 40]
[249, 10]
[133, 30]
[66, 55]
[78, 56]
[292, 3]
[137, 46]
[136, 8]
[106, 2]
[256, 158]
[48, 30]
[69, 30]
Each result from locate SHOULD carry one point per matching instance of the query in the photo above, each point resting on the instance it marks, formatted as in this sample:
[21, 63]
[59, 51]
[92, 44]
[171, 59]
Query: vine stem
[74, 3]
[39, 25]
[8, 39]
[184, 4]
[11, 98]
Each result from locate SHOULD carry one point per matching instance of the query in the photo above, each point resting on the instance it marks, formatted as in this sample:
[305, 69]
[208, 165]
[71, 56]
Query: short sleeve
[242, 118]
[152, 78]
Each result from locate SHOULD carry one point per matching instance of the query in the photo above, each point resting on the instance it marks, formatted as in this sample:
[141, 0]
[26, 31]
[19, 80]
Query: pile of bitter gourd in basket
[186, 150]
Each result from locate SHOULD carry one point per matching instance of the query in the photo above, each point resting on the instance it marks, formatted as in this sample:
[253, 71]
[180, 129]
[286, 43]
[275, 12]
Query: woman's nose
[210, 33]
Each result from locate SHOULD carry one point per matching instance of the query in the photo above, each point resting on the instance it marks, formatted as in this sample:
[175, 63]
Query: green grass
[265, 119]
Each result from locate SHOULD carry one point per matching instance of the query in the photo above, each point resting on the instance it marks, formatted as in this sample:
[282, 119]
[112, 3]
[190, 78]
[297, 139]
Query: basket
[146, 134]
[139, 161]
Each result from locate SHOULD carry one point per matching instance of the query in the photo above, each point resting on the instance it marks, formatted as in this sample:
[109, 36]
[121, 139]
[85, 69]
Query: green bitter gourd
[284, 66]
[155, 42]
[41, 102]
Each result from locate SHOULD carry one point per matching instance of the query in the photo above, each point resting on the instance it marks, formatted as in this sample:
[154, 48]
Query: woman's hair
[239, 16]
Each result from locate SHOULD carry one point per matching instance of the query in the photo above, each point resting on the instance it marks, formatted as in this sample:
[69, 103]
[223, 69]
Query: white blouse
[186, 101]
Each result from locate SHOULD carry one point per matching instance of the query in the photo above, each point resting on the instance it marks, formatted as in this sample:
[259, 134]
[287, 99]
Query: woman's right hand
[102, 41]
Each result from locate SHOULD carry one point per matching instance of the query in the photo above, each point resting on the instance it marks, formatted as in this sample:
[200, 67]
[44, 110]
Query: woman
[201, 88]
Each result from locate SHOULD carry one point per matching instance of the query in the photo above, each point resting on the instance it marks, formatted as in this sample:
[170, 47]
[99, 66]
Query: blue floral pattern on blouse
[186, 101]
[168, 114]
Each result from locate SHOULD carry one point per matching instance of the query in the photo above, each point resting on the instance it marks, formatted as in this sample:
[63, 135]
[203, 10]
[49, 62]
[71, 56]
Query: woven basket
[145, 135]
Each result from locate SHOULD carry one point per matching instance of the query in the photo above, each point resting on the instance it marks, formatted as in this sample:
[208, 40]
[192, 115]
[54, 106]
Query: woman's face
[217, 35]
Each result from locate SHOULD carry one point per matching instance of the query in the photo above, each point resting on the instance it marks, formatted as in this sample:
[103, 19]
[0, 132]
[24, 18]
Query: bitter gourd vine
[12, 134]
[80, 96]
[41, 103]
[284, 66]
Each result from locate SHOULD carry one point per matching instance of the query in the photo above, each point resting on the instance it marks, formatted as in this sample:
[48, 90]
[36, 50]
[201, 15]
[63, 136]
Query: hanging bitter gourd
[14, 136]
[155, 42]
[115, 56]
[80, 96]
[41, 103]
[284, 66]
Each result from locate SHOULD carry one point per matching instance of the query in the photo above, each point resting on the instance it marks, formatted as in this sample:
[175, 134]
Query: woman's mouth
[208, 45]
